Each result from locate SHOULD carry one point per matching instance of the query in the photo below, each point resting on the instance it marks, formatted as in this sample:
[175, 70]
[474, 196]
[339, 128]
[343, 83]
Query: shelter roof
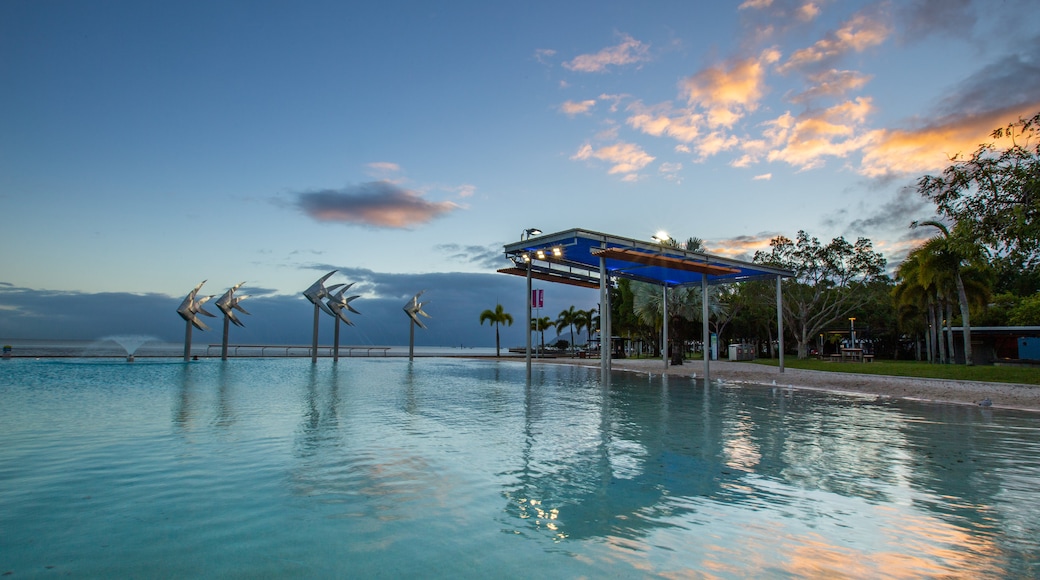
[573, 257]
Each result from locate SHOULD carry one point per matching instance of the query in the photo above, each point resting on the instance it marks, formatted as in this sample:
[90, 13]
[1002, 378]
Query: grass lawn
[899, 368]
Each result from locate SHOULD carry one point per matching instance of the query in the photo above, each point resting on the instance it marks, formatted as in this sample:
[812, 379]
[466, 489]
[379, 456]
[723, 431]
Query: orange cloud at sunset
[683, 126]
[729, 91]
[577, 107]
[856, 35]
[930, 148]
[806, 140]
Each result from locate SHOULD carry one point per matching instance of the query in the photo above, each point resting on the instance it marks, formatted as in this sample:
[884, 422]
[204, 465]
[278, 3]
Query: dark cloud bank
[454, 301]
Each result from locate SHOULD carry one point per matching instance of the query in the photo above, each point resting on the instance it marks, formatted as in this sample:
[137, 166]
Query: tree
[994, 196]
[951, 257]
[684, 306]
[1027, 313]
[582, 321]
[540, 325]
[592, 315]
[497, 316]
[567, 319]
[827, 283]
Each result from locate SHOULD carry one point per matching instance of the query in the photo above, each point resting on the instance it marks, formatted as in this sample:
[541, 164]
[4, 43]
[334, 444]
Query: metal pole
[314, 341]
[780, 321]
[411, 341]
[604, 330]
[335, 343]
[223, 346]
[530, 299]
[664, 326]
[705, 328]
[187, 342]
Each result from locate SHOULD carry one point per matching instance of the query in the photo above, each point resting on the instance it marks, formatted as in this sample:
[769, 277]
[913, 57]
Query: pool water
[458, 468]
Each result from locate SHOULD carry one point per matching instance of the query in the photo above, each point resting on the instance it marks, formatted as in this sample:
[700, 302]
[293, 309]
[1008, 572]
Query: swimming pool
[457, 468]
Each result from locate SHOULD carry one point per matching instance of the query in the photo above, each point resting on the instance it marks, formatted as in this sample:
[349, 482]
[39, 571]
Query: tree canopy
[994, 195]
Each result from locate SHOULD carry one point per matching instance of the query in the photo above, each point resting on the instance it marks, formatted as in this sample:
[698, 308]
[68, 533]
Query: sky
[147, 146]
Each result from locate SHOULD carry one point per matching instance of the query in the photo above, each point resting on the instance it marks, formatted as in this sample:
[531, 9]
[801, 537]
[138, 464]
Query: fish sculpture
[318, 291]
[414, 309]
[228, 303]
[338, 303]
[191, 307]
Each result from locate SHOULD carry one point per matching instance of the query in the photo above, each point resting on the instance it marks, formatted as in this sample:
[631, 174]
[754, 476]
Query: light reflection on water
[455, 468]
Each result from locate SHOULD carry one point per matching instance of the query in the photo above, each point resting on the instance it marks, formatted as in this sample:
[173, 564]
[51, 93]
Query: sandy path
[1002, 395]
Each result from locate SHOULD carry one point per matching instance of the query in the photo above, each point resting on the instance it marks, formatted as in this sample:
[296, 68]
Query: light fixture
[526, 257]
[557, 252]
[526, 234]
[661, 237]
[540, 254]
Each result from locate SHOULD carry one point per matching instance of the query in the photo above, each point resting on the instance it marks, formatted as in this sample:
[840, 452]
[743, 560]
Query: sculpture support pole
[411, 341]
[187, 342]
[314, 341]
[335, 344]
[223, 345]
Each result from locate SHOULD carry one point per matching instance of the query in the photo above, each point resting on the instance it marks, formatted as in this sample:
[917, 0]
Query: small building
[999, 344]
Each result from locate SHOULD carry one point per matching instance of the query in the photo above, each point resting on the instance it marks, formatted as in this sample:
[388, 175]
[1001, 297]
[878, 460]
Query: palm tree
[568, 318]
[581, 321]
[496, 317]
[953, 261]
[593, 322]
[540, 325]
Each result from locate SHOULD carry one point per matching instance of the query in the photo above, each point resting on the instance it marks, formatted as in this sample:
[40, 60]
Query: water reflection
[922, 487]
[384, 467]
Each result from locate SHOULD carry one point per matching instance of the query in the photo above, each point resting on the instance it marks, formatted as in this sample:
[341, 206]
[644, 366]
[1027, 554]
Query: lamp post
[852, 330]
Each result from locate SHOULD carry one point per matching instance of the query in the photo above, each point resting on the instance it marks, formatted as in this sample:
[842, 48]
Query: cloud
[931, 148]
[896, 213]
[455, 303]
[730, 90]
[684, 126]
[377, 204]
[805, 141]
[831, 83]
[544, 55]
[1011, 81]
[491, 257]
[923, 18]
[855, 35]
[808, 11]
[384, 166]
[625, 158]
[629, 51]
[572, 108]
[740, 247]
[763, 177]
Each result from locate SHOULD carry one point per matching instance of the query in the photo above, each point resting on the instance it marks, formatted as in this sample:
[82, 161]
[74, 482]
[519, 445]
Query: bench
[836, 357]
[868, 358]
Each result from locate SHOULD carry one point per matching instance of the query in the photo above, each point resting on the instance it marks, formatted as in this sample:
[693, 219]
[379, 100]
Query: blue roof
[580, 251]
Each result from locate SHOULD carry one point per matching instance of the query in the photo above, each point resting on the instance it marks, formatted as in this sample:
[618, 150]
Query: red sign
[537, 298]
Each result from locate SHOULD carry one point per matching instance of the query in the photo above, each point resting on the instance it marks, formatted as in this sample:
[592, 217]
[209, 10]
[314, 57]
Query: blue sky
[146, 146]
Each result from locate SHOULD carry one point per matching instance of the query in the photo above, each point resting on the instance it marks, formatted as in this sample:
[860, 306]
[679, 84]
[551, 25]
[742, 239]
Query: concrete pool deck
[1002, 395]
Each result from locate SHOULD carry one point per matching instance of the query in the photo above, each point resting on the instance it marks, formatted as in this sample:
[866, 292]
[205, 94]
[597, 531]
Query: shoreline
[1012, 396]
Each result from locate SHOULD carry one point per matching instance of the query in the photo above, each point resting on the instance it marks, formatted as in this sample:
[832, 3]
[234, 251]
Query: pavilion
[592, 260]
